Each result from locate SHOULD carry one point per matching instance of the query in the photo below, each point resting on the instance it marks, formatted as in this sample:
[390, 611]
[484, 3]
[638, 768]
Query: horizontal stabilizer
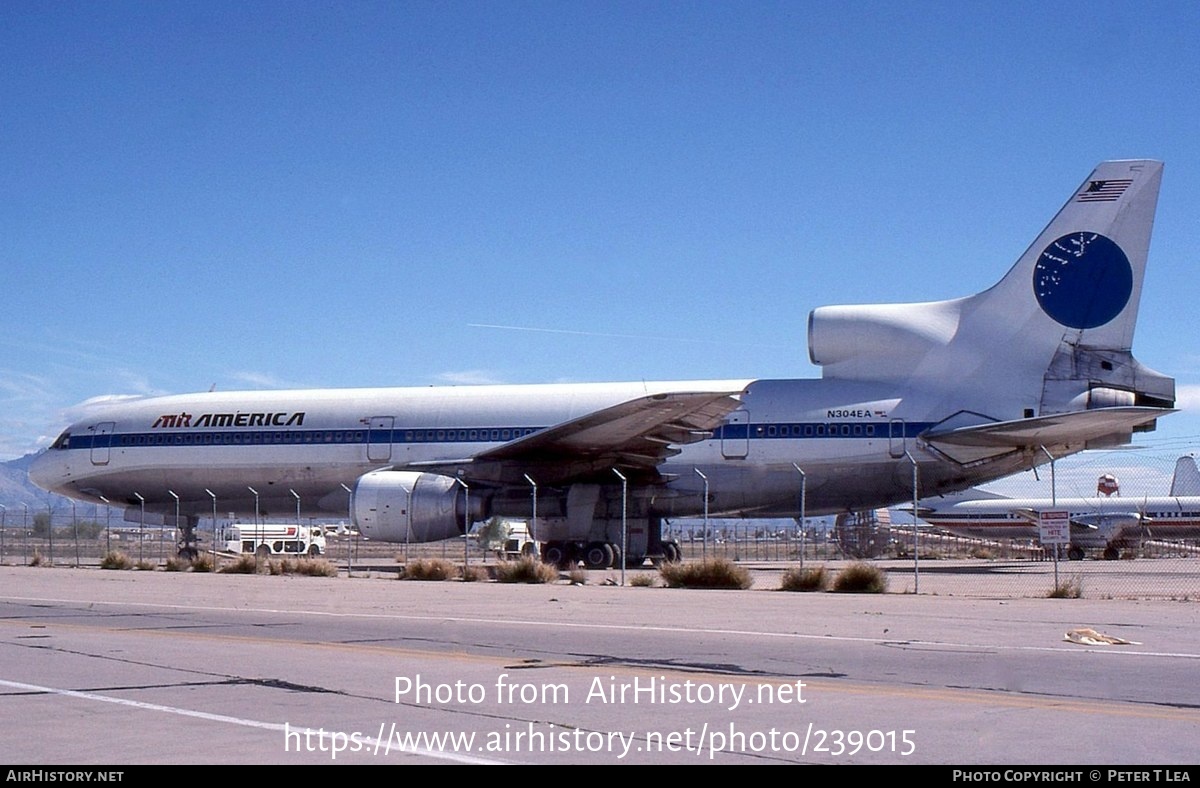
[1060, 428]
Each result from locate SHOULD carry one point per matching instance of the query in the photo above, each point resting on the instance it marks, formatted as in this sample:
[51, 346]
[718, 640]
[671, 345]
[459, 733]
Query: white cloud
[80, 410]
[469, 377]
[263, 380]
[1187, 397]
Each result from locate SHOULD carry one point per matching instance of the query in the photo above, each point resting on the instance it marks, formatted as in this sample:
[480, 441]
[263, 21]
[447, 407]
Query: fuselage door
[102, 442]
[735, 435]
[379, 439]
[897, 443]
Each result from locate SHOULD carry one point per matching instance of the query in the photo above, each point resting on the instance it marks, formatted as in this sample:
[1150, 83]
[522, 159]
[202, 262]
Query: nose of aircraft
[46, 471]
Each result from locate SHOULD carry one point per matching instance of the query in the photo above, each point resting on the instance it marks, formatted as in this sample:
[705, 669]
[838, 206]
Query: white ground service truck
[268, 539]
[518, 543]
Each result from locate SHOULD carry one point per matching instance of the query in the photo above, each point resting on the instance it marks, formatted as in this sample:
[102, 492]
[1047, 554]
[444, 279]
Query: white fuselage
[1096, 522]
[848, 442]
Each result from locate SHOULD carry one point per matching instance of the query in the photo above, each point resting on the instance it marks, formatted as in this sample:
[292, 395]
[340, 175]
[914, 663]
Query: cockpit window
[63, 442]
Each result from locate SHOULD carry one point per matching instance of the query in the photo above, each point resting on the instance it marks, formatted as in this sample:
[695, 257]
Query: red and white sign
[1054, 527]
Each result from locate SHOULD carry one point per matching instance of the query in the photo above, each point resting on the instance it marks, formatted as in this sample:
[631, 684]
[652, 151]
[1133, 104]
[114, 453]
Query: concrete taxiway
[102, 667]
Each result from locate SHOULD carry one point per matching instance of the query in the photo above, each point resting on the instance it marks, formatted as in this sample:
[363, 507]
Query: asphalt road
[100, 667]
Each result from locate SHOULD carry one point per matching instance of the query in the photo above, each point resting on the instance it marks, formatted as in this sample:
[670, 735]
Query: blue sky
[261, 195]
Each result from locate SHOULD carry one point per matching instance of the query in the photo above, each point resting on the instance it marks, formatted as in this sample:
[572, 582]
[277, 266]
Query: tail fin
[1187, 478]
[1084, 272]
[1053, 336]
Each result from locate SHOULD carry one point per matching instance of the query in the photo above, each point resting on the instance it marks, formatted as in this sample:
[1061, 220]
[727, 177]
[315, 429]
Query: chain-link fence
[1146, 563]
[1146, 544]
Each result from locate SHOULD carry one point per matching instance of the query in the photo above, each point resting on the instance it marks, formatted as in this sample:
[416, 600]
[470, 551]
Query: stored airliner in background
[968, 390]
[1106, 523]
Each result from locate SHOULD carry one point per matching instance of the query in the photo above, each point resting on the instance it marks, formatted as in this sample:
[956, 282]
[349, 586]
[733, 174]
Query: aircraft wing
[634, 436]
[1107, 523]
[1029, 515]
[1112, 524]
[1061, 428]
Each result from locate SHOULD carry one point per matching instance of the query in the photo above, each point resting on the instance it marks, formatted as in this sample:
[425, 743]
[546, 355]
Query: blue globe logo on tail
[1083, 280]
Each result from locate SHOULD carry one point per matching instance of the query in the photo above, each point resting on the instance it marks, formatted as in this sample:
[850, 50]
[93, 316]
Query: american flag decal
[1103, 191]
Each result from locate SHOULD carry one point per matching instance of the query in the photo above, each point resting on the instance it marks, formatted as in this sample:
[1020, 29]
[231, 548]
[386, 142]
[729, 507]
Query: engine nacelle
[406, 506]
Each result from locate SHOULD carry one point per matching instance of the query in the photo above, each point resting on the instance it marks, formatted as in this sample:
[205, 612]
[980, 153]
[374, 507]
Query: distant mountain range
[16, 489]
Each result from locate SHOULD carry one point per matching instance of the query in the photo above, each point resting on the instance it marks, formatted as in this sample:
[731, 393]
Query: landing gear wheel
[555, 553]
[1074, 553]
[1111, 554]
[313, 551]
[598, 555]
[672, 553]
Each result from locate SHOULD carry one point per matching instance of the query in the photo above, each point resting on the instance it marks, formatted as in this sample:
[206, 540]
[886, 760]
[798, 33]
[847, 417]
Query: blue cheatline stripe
[821, 429]
[283, 437]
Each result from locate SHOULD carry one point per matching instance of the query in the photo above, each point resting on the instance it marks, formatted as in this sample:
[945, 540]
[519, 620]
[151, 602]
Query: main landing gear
[602, 555]
[186, 544]
[1111, 553]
